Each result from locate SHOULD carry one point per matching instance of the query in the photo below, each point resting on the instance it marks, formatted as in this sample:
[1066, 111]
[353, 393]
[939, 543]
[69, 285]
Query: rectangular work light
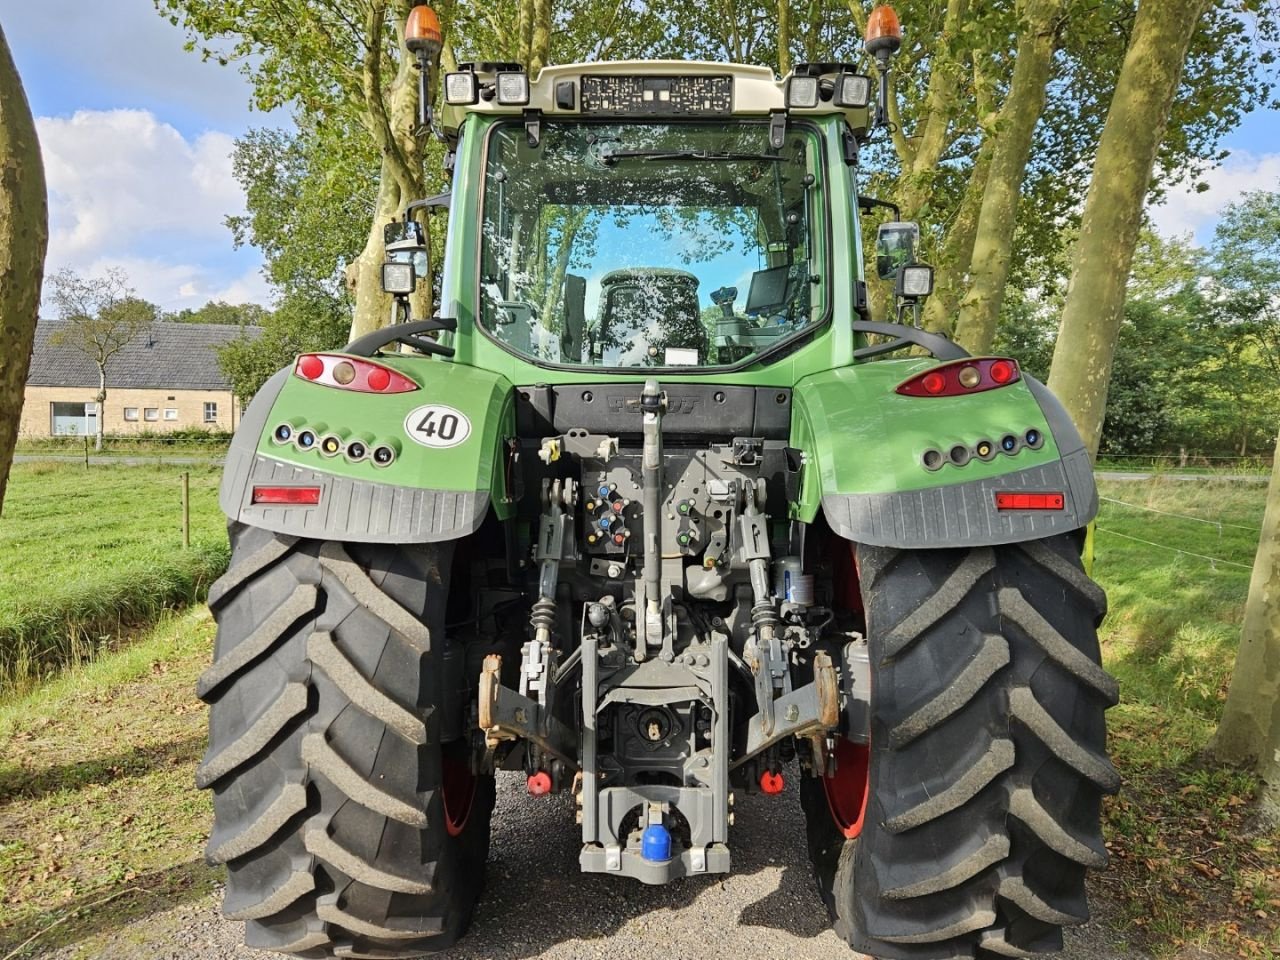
[802, 92]
[915, 281]
[852, 90]
[513, 89]
[398, 277]
[461, 89]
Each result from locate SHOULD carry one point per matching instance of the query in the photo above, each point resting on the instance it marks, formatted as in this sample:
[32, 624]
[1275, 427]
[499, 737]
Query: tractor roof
[653, 90]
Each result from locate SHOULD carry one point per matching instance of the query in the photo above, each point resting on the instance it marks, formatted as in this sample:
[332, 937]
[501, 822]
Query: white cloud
[117, 176]
[128, 191]
[1186, 211]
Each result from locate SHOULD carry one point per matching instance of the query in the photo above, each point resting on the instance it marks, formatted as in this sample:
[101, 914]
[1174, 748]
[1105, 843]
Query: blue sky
[137, 135]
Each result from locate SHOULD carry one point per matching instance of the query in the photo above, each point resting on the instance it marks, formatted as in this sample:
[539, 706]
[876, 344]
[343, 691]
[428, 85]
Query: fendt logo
[621, 402]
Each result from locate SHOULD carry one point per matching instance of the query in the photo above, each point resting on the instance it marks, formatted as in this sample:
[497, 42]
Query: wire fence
[1186, 461]
[1213, 561]
[1218, 524]
[1181, 516]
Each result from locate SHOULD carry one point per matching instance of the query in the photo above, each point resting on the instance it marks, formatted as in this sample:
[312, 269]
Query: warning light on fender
[1031, 501]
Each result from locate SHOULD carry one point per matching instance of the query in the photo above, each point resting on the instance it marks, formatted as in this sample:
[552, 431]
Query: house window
[170, 413]
[210, 411]
[69, 419]
[131, 413]
[150, 413]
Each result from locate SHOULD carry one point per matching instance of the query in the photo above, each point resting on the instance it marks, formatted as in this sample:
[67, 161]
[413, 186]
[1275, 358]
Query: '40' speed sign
[436, 425]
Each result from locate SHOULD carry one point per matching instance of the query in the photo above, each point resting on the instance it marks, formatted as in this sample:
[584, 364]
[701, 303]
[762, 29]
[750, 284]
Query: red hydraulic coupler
[771, 783]
[539, 783]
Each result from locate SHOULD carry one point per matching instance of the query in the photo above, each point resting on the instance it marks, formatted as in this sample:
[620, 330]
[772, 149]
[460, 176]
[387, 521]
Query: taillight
[960, 377]
[1030, 501]
[351, 373]
[287, 495]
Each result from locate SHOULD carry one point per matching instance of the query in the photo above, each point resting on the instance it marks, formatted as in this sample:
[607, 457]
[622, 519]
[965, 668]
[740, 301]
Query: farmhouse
[166, 378]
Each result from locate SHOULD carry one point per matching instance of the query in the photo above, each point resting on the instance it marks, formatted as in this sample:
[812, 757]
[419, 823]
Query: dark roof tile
[177, 356]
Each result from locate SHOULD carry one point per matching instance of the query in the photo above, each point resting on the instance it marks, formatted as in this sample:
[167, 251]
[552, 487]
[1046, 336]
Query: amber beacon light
[884, 31]
[423, 38]
[422, 30]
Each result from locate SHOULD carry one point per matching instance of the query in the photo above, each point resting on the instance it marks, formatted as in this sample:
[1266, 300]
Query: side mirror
[895, 247]
[407, 261]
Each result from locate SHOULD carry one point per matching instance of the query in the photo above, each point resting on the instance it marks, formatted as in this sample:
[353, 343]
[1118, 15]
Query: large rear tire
[347, 828]
[987, 759]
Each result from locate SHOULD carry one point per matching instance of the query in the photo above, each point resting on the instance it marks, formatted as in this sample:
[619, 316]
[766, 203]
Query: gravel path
[539, 905]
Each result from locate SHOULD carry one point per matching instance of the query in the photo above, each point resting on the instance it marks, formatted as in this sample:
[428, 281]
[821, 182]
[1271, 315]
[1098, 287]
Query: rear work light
[351, 373]
[1031, 501]
[960, 377]
[287, 495]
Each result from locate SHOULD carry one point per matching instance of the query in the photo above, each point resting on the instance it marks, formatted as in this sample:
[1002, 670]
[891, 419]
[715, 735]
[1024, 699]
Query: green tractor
[652, 513]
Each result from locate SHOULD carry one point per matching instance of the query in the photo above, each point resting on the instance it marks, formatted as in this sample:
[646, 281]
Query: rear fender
[865, 446]
[436, 487]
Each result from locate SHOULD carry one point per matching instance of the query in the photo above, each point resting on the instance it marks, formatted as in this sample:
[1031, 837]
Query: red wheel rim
[847, 791]
[459, 792]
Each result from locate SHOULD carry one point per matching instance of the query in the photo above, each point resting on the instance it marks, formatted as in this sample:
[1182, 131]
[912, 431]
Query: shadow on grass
[108, 908]
[21, 782]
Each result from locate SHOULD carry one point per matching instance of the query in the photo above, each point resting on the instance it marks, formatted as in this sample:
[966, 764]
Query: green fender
[445, 436]
[864, 447]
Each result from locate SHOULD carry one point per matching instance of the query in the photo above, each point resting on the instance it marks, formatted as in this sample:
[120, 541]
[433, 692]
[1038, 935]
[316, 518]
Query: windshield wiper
[616, 155]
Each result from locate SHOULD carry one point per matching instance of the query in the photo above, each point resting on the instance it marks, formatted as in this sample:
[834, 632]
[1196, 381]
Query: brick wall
[189, 406]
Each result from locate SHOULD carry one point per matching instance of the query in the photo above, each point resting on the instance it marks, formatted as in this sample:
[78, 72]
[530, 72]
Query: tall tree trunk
[997, 220]
[24, 235]
[784, 37]
[954, 258]
[1103, 255]
[364, 277]
[100, 421]
[540, 38]
[393, 123]
[935, 133]
[1250, 729]
[524, 30]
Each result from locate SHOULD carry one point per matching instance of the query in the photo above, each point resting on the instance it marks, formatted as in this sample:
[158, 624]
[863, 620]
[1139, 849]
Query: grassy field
[99, 823]
[1189, 867]
[190, 443]
[99, 819]
[86, 555]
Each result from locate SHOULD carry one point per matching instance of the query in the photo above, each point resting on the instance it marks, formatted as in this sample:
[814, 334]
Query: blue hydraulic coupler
[655, 843]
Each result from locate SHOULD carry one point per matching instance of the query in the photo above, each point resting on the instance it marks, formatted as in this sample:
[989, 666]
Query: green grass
[1190, 866]
[182, 443]
[87, 555]
[1210, 466]
[100, 822]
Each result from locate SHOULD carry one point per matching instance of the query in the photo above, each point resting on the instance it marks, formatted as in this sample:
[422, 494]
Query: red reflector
[772, 783]
[310, 366]
[379, 378]
[303, 495]
[1030, 501]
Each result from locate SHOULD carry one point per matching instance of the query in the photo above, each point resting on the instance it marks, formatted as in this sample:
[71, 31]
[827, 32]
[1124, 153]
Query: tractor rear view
[653, 514]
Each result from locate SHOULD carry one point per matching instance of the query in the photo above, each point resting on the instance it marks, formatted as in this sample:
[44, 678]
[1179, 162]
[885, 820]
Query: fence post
[186, 511]
[86, 451]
